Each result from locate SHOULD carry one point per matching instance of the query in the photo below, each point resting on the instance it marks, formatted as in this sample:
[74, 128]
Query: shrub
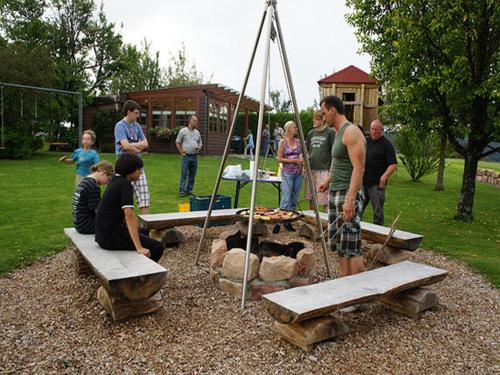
[103, 123]
[419, 151]
[20, 145]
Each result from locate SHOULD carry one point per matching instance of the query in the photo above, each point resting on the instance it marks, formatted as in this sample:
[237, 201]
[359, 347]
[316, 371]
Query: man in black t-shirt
[381, 162]
[116, 224]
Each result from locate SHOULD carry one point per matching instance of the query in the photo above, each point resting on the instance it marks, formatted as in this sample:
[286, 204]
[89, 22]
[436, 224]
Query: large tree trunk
[442, 157]
[464, 207]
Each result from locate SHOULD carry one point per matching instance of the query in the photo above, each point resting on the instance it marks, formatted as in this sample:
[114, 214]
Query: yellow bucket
[184, 207]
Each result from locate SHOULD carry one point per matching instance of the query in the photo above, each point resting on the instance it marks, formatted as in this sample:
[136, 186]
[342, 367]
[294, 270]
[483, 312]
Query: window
[213, 115]
[223, 119]
[348, 97]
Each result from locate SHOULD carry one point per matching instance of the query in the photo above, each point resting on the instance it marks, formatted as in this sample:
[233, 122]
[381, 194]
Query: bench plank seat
[174, 219]
[124, 274]
[375, 233]
[306, 302]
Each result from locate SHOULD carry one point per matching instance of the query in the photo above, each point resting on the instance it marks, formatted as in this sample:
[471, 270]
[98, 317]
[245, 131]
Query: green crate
[201, 203]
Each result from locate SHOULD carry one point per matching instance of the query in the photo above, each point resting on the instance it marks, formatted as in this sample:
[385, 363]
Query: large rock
[305, 261]
[277, 268]
[309, 231]
[233, 266]
[259, 229]
[218, 253]
[258, 290]
[232, 288]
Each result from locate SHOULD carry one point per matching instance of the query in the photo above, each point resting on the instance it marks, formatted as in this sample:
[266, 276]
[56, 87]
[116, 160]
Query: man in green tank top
[344, 184]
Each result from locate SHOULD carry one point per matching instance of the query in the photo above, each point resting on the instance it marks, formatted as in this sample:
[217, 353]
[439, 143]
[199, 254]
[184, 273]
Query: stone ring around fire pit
[273, 266]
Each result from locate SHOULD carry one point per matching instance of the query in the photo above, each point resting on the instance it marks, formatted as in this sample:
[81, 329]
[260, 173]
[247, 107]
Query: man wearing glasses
[129, 137]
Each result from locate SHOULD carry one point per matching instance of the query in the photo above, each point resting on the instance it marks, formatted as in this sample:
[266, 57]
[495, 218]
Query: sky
[219, 36]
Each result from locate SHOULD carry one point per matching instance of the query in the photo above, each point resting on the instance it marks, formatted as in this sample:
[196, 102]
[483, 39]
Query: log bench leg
[411, 303]
[120, 308]
[309, 332]
[81, 265]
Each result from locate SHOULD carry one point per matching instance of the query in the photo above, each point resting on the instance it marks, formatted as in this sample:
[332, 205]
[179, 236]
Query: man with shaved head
[381, 162]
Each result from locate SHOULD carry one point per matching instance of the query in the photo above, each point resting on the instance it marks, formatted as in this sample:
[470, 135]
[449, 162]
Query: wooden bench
[130, 283]
[376, 233]
[174, 219]
[54, 146]
[302, 313]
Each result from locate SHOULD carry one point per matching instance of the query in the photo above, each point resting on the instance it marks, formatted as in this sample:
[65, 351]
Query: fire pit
[273, 266]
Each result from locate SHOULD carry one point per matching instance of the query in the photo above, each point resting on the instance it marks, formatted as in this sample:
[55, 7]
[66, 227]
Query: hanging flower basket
[163, 134]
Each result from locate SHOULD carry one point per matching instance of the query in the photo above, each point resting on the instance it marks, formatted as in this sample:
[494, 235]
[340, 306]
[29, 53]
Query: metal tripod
[270, 14]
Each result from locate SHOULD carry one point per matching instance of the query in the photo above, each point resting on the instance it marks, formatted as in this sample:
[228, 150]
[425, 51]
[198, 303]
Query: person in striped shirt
[87, 196]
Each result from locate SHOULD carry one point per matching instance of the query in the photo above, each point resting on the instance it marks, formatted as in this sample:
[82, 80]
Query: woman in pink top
[290, 155]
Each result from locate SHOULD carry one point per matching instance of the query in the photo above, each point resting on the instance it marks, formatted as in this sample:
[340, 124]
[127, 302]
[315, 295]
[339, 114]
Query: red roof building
[358, 91]
[351, 74]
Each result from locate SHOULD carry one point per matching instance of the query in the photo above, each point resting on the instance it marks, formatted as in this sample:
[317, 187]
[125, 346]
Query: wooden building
[168, 109]
[358, 91]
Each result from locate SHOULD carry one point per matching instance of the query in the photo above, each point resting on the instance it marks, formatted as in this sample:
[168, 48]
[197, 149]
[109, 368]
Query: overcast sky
[219, 36]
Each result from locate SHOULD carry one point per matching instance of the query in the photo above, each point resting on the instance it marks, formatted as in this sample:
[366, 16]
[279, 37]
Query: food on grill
[270, 214]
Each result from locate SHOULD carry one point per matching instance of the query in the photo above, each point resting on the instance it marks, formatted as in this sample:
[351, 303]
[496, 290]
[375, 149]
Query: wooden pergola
[213, 104]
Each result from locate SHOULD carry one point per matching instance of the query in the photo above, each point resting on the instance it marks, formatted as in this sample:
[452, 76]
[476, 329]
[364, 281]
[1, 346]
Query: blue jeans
[265, 147]
[291, 184]
[276, 145]
[188, 172]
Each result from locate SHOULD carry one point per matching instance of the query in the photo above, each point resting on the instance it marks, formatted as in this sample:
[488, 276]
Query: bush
[280, 117]
[419, 151]
[19, 145]
[103, 123]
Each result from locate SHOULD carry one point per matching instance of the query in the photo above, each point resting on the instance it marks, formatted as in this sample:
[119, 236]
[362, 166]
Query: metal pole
[302, 139]
[80, 119]
[2, 145]
[228, 140]
[269, 21]
[44, 89]
[39, 88]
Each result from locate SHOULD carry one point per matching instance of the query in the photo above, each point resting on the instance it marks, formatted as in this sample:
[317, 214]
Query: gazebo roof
[212, 89]
[351, 74]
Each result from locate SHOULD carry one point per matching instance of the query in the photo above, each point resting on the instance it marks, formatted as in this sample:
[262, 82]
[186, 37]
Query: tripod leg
[301, 136]
[228, 141]
[263, 88]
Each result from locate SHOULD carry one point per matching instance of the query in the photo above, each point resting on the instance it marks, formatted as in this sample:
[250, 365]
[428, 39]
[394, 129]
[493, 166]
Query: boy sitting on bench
[116, 224]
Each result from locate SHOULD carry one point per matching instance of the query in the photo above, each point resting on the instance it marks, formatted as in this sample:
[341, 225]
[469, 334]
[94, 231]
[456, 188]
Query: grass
[36, 205]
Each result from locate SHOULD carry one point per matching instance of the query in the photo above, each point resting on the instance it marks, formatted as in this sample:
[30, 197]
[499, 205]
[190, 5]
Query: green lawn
[36, 205]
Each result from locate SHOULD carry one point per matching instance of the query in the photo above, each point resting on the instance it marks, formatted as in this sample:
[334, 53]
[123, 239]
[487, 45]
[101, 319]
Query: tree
[439, 64]
[182, 72]
[85, 45]
[280, 104]
[22, 21]
[138, 70]
[25, 113]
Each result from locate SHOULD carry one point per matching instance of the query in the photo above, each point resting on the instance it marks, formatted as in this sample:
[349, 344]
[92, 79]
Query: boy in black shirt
[116, 224]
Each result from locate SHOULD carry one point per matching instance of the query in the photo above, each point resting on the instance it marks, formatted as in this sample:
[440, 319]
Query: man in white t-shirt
[188, 144]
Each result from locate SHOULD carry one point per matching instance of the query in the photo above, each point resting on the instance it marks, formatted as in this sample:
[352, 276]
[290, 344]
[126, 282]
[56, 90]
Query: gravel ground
[51, 322]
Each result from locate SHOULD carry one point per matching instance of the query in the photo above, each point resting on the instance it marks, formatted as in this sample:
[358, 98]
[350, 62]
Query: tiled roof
[351, 74]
